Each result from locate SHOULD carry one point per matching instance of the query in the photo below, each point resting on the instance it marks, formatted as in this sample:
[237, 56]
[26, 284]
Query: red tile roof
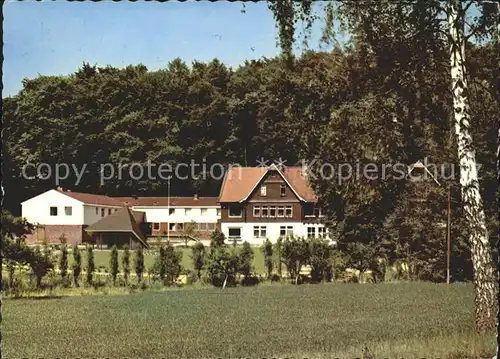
[89, 198]
[164, 201]
[240, 181]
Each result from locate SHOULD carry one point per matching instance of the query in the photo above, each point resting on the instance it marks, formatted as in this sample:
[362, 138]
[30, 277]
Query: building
[66, 214]
[104, 221]
[258, 203]
[254, 204]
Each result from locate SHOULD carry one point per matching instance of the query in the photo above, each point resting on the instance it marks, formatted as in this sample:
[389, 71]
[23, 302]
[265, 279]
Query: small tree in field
[267, 249]
[295, 254]
[139, 263]
[90, 265]
[162, 266]
[320, 259]
[40, 265]
[113, 263]
[278, 246]
[63, 262]
[198, 256]
[246, 259]
[172, 264]
[77, 264]
[126, 263]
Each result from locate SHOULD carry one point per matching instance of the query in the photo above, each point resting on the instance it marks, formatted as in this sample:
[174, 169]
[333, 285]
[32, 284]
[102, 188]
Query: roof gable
[95, 199]
[51, 193]
[240, 182]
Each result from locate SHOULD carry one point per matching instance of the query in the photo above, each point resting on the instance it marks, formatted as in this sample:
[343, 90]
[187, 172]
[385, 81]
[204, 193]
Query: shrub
[90, 265]
[161, 263]
[40, 265]
[139, 263]
[245, 259]
[63, 262]
[77, 264]
[294, 254]
[320, 253]
[126, 264]
[198, 257]
[113, 263]
[222, 265]
[267, 249]
[172, 263]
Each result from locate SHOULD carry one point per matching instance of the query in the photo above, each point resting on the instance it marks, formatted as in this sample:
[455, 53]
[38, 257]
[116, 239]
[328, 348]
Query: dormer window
[235, 211]
[263, 190]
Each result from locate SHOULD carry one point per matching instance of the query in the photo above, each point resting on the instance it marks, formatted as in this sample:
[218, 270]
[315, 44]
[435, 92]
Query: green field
[317, 321]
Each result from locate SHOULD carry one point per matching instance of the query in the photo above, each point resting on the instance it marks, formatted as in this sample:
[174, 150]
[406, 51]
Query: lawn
[315, 321]
[101, 258]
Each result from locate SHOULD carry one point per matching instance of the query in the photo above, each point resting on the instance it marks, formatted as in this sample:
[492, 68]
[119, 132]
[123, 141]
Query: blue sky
[52, 38]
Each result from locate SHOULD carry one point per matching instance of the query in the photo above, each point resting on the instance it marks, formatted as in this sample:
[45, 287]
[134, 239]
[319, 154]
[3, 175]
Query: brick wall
[74, 234]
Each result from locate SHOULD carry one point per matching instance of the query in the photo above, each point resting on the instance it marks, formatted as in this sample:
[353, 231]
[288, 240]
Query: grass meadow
[395, 320]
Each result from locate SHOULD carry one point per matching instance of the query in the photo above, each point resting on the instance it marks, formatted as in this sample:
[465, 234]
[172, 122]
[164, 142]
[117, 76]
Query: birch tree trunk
[485, 284]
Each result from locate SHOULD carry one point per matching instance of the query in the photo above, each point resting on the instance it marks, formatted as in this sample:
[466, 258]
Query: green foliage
[198, 257]
[245, 259]
[63, 262]
[320, 259]
[139, 263]
[222, 263]
[90, 265]
[113, 263]
[294, 254]
[172, 264]
[77, 264]
[126, 263]
[40, 265]
[267, 249]
[161, 263]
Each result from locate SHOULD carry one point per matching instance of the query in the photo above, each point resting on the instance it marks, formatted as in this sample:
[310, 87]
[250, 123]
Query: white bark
[484, 273]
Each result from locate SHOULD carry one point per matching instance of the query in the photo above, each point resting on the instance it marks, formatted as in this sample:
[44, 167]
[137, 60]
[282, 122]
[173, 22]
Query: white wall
[272, 230]
[157, 214]
[37, 209]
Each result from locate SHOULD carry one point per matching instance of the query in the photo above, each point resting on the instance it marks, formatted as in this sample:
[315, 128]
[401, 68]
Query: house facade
[259, 203]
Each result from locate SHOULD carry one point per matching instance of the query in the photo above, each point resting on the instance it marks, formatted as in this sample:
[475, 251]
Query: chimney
[60, 189]
[195, 197]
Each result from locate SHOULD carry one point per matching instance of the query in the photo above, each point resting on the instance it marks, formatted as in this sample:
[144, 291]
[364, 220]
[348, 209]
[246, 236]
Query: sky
[56, 37]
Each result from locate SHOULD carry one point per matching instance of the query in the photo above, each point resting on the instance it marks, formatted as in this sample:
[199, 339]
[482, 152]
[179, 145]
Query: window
[259, 231]
[188, 211]
[265, 211]
[156, 226]
[317, 211]
[235, 211]
[309, 210]
[288, 211]
[234, 234]
[281, 211]
[263, 190]
[102, 212]
[256, 211]
[171, 211]
[53, 211]
[171, 226]
[282, 190]
[286, 231]
[218, 212]
[116, 209]
[321, 232]
[109, 211]
[179, 227]
[211, 226]
[311, 232]
[68, 211]
[202, 226]
[204, 211]
[272, 212]
[97, 210]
